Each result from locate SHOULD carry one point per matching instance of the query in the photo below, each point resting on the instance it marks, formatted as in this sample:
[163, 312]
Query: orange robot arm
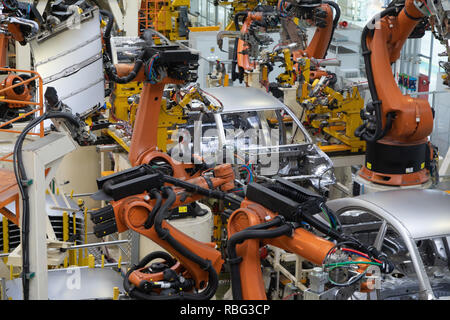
[320, 42]
[320, 15]
[142, 208]
[396, 125]
[247, 38]
[413, 116]
[298, 241]
[270, 216]
[243, 57]
[144, 139]
[144, 212]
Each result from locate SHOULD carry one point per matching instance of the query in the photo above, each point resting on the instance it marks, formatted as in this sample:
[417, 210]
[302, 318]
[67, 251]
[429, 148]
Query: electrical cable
[109, 68]
[243, 14]
[133, 291]
[361, 131]
[23, 183]
[360, 254]
[253, 232]
[13, 6]
[344, 263]
[151, 74]
[151, 216]
[108, 30]
[337, 16]
[164, 234]
[350, 282]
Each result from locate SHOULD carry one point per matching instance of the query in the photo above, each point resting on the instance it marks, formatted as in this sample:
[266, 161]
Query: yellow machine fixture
[336, 114]
[168, 117]
[171, 114]
[167, 17]
[121, 109]
[239, 5]
[288, 76]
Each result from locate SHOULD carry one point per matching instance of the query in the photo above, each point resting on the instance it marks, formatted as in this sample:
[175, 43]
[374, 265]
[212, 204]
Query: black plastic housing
[272, 201]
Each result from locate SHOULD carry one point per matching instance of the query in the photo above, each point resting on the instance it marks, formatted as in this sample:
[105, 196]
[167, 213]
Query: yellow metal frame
[120, 109]
[204, 29]
[239, 5]
[162, 16]
[343, 119]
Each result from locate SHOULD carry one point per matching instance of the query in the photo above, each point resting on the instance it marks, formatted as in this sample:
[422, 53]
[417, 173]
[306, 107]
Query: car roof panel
[241, 99]
[425, 213]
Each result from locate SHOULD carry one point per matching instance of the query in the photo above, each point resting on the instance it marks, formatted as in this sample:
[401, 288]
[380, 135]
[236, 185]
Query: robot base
[362, 186]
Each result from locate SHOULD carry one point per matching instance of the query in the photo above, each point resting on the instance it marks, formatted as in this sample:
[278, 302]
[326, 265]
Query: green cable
[344, 263]
[350, 282]
[328, 219]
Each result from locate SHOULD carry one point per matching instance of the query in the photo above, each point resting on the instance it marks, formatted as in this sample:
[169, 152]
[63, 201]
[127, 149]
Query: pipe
[362, 130]
[164, 234]
[236, 19]
[151, 217]
[107, 34]
[98, 244]
[155, 255]
[112, 72]
[337, 16]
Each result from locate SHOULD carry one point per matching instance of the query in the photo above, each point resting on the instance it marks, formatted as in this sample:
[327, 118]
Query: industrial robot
[141, 199]
[279, 214]
[396, 127]
[316, 13]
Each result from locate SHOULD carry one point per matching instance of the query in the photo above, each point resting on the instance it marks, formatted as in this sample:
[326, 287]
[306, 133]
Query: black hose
[243, 14]
[108, 30]
[156, 255]
[234, 73]
[337, 16]
[322, 227]
[151, 217]
[275, 222]
[136, 294]
[362, 130]
[164, 234]
[22, 182]
[112, 72]
[146, 260]
[110, 69]
[240, 237]
[107, 38]
[161, 214]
